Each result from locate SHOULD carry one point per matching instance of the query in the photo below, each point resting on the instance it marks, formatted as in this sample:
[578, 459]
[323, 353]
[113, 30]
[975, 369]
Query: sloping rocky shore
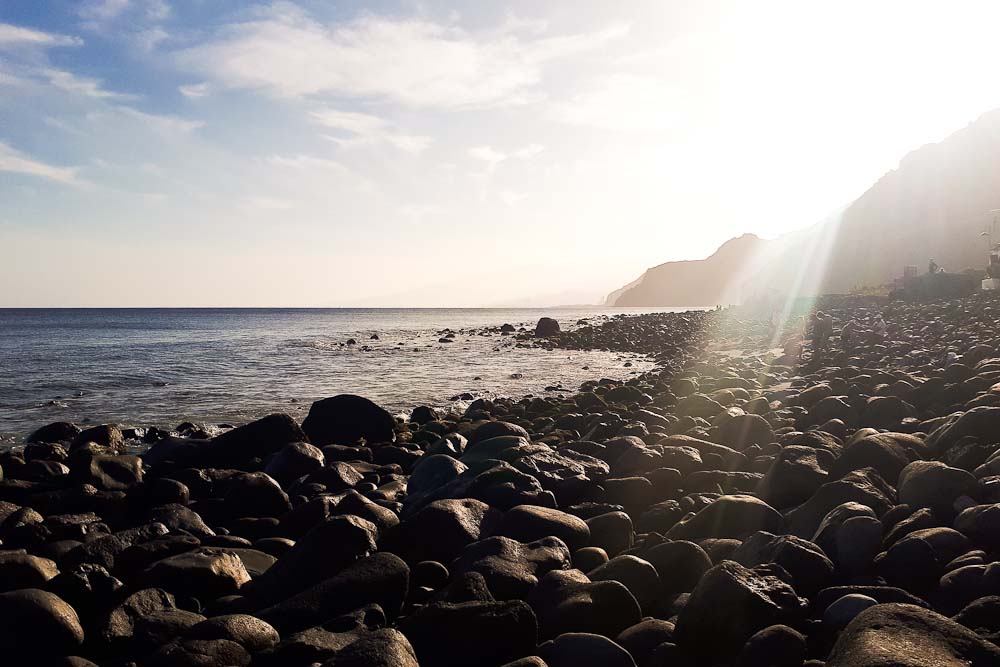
[739, 505]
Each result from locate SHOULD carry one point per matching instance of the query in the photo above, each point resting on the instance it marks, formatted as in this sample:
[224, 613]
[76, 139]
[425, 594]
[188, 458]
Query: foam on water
[165, 366]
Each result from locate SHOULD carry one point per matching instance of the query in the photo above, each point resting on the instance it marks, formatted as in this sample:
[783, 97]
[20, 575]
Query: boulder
[205, 573]
[546, 327]
[730, 604]
[567, 601]
[346, 419]
[935, 485]
[37, 624]
[480, 633]
[728, 517]
[581, 649]
[511, 569]
[909, 636]
[527, 523]
[258, 439]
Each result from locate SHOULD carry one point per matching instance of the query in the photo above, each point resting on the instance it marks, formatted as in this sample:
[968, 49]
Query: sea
[163, 367]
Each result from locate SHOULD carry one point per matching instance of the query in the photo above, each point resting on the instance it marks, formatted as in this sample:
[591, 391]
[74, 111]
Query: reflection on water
[164, 366]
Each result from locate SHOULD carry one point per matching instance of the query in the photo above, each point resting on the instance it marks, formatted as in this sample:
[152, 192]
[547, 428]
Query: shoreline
[705, 495]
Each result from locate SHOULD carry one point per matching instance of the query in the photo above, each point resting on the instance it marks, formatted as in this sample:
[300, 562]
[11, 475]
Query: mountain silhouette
[936, 204]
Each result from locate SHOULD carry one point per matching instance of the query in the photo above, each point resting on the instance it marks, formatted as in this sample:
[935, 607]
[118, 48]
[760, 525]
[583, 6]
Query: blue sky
[202, 152]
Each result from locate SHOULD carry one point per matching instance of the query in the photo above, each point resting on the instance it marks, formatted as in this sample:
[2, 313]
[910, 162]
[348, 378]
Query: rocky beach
[753, 500]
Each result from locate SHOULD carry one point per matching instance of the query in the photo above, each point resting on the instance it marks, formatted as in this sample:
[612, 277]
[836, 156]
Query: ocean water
[161, 367]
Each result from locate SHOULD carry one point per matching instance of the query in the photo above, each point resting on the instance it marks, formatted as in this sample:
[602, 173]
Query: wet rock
[774, 646]
[55, 432]
[546, 327]
[199, 653]
[527, 523]
[380, 648]
[909, 636]
[323, 552]
[204, 573]
[728, 517]
[381, 579]
[345, 419]
[442, 529]
[481, 633]
[249, 632]
[637, 575]
[110, 473]
[37, 624]
[935, 485]
[795, 475]
[18, 569]
[578, 649]
[108, 436]
[294, 460]
[730, 604]
[511, 569]
[744, 430]
[257, 439]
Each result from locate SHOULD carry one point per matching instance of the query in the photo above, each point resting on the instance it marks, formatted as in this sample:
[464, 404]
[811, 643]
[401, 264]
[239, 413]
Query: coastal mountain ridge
[936, 204]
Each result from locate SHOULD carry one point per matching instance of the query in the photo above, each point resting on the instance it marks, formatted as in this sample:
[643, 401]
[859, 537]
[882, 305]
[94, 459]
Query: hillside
[935, 204]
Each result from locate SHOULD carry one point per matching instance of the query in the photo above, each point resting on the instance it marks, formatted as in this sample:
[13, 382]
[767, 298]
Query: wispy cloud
[306, 163]
[12, 160]
[363, 128]
[71, 83]
[12, 36]
[102, 10]
[195, 90]
[411, 62]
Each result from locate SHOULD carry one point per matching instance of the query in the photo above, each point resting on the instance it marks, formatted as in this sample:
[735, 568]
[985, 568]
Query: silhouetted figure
[932, 267]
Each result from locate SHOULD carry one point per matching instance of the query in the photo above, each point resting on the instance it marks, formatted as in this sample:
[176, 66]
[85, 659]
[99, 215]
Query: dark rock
[611, 531]
[204, 573]
[729, 517]
[567, 601]
[443, 528]
[199, 653]
[249, 632]
[381, 579]
[909, 636]
[321, 553]
[637, 575]
[108, 436]
[294, 460]
[379, 648]
[935, 485]
[774, 646]
[257, 439]
[546, 327]
[680, 565]
[55, 432]
[511, 569]
[255, 494]
[579, 649]
[37, 624]
[527, 523]
[730, 604]
[346, 419]
[641, 639]
[481, 633]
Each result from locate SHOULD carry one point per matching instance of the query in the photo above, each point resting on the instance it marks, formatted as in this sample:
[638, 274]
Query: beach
[741, 498]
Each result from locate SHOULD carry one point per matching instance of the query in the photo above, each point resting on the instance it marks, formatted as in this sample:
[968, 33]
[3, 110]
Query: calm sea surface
[164, 366]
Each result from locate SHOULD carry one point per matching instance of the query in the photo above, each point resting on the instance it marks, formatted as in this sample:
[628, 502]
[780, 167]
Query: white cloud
[71, 83]
[367, 129]
[12, 160]
[195, 90]
[487, 154]
[14, 36]
[529, 151]
[306, 163]
[102, 10]
[411, 62]
[622, 103]
[147, 40]
[157, 122]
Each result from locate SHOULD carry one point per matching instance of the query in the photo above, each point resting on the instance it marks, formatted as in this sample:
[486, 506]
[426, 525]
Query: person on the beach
[849, 334]
[932, 267]
[881, 329]
[822, 329]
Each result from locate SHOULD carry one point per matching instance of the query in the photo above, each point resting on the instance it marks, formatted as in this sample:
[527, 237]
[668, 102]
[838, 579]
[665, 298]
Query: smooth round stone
[843, 610]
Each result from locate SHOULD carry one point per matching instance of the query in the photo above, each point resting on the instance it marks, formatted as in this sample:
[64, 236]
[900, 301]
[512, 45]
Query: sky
[436, 153]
